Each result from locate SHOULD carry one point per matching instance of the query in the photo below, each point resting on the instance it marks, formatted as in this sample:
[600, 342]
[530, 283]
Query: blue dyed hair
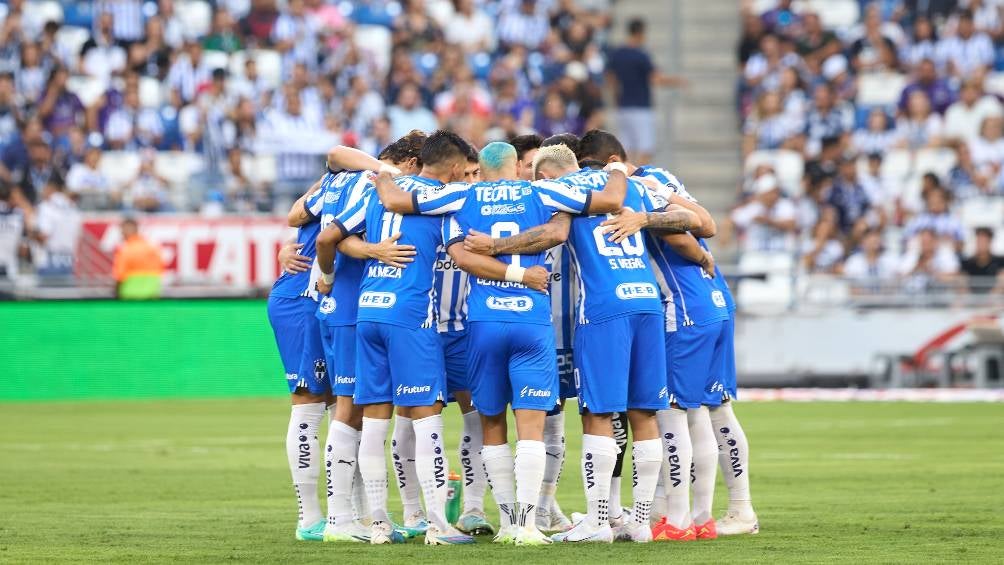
[496, 154]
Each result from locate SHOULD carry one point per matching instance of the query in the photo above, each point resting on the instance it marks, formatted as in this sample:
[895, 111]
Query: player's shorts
[620, 364]
[727, 375]
[637, 129]
[694, 360]
[398, 365]
[566, 373]
[298, 338]
[512, 364]
[455, 357]
[340, 353]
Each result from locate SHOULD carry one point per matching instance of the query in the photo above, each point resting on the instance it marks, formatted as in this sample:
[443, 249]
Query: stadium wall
[106, 349]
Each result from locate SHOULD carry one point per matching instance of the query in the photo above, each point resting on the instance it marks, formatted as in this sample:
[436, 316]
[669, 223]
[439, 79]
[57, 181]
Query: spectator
[101, 56]
[965, 178]
[156, 50]
[31, 75]
[763, 69]
[874, 50]
[60, 109]
[257, 24]
[963, 118]
[878, 138]
[768, 221]
[781, 19]
[553, 118]
[793, 98]
[295, 36]
[288, 129]
[524, 25]
[633, 76]
[983, 269]
[90, 185]
[10, 112]
[415, 30]
[927, 264]
[827, 119]
[12, 225]
[138, 265]
[848, 205]
[936, 217]
[968, 53]
[57, 231]
[937, 90]
[469, 28]
[877, 186]
[768, 128]
[38, 171]
[871, 267]
[174, 30]
[988, 148]
[131, 126]
[923, 47]
[125, 18]
[189, 71]
[919, 127]
[409, 114]
[223, 36]
[816, 44]
[147, 192]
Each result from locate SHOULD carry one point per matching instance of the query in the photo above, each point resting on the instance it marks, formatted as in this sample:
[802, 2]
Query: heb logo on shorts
[629, 291]
[327, 305]
[535, 392]
[510, 303]
[401, 389]
[374, 299]
[718, 298]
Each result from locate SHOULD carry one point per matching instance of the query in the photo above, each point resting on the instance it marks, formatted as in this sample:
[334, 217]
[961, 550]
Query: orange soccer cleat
[707, 530]
[664, 531]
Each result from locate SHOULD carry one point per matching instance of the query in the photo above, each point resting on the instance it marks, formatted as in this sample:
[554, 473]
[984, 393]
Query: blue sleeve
[440, 200]
[314, 203]
[353, 218]
[560, 197]
[452, 232]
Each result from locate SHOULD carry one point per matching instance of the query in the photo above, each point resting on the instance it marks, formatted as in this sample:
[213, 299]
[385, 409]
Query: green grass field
[206, 481]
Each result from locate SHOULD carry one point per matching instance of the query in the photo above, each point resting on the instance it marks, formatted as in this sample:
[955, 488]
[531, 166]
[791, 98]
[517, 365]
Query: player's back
[403, 297]
[696, 299]
[343, 190]
[614, 279]
[291, 285]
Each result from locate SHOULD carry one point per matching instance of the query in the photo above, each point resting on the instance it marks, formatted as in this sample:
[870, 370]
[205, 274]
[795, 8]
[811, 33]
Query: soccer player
[399, 355]
[511, 338]
[619, 302]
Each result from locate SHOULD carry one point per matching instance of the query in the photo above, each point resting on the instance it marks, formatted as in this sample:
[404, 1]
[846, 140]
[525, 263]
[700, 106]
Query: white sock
[431, 467]
[620, 427]
[360, 506]
[599, 453]
[679, 455]
[659, 499]
[705, 465]
[554, 444]
[616, 509]
[304, 458]
[475, 480]
[733, 458]
[373, 465]
[529, 470]
[340, 463]
[500, 468]
[403, 452]
[647, 455]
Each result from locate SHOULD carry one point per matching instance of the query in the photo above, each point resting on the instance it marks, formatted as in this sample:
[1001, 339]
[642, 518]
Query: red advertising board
[233, 252]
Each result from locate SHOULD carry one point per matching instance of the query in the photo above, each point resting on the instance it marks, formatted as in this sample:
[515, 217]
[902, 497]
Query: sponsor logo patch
[510, 303]
[327, 305]
[629, 291]
[374, 299]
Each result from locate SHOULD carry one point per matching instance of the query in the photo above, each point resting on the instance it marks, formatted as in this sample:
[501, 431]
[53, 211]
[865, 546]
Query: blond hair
[556, 156]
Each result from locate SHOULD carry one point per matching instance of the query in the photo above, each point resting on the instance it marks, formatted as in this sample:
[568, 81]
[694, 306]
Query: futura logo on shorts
[401, 389]
[535, 392]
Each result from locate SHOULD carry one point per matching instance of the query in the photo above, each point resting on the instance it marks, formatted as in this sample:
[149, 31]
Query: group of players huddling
[518, 276]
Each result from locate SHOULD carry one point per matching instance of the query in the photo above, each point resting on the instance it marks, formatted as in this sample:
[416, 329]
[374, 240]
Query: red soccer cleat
[707, 530]
[664, 531]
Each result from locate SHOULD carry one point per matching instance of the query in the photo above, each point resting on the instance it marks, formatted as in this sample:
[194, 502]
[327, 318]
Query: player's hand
[480, 243]
[323, 287]
[537, 278]
[708, 263]
[625, 224]
[290, 259]
[391, 253]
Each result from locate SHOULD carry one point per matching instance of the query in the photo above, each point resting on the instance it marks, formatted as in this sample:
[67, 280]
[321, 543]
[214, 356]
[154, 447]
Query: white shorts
[636, 129]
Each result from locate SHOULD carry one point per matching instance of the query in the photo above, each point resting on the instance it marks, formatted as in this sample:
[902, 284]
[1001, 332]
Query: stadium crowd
[875, 150]
[228, 106]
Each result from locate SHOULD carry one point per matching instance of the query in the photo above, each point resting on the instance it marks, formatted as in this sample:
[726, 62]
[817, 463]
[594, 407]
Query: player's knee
[303, 395]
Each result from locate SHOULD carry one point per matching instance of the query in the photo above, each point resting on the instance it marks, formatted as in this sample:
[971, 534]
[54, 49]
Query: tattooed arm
[673, 219]
[534, 240]
[688, 248]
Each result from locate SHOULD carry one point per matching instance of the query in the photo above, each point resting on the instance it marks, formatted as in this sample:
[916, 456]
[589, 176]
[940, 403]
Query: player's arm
[611, 198]
[391, 196]
[300, 214]
[673, 219]
[534, 240]
[707, 228]
[484, 267]
[388, 251]
[687, 247]
[352, 159]
[350, 221]
[290, 260]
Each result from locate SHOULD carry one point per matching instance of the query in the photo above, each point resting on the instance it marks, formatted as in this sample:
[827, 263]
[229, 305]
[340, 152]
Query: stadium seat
[237, 59]
[761, 6]
[88, 89]
[47, 11]
[269, 66]
[176, 166]
[216, 60]
[771, 263]
[896, 164]
[150, 93]
[880, 89]
[768, 296]
[994, 83]
[72, 38]
[121, 167]
[261, 167]
[982, 212]
[196, 16]
[836, 14]
[376, 41]
[935, 160]
[821, 290]
[788, 167]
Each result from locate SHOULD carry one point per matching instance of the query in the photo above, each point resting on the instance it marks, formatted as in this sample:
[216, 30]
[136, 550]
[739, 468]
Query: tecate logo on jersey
[718, 298]
[373, 299]
[501, 209]
[536, 392]
[401, 389]
[327, 305]
[384, 272]
[510, 303]
[628, 291]
[504, 192]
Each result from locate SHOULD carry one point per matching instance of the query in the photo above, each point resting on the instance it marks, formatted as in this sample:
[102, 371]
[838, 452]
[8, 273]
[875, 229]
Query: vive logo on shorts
[327, 305]
[628, 291]
[374, 299]
[510, 303]
[718, 298]
[534, 392]
[401, 389]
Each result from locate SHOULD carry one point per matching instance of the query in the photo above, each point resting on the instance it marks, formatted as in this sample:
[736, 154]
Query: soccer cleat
[450, 536]
[664, 531]
[414, 525]
[624, 517]
[633, 531]
[353, 532]
[475, 524]
[382, 533]
[734, 524]
[559, 522]
[507, 535]
[313, 532]
[530, 535]
[584, 532]
[706, 530]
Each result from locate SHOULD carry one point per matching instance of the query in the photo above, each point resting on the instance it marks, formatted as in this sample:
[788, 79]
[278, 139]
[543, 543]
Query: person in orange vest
[138, 265]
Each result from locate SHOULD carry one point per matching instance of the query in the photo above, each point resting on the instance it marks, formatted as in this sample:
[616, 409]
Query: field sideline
[206, 481]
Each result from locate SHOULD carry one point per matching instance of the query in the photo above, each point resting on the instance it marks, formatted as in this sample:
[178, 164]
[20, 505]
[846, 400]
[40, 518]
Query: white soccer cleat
[384, 533]
[449, 536]
[584, 532]
[633, 531]
[353, 532]
[507, 535]
[733, 524]
[529, 535]
[559, 522]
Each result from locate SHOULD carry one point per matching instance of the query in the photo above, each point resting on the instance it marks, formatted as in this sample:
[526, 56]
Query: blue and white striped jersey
[564, 295]
[343, 190]
[402, 297]
[302, 284]
[502, 208]
[452, 285]
[614, 279]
